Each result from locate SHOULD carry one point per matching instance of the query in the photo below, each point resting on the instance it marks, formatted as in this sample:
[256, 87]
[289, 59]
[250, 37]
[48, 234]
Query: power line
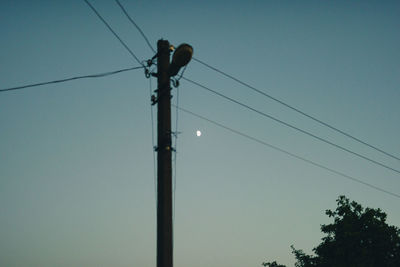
[176, 146]
[291, 126]
[136, 26]
[265, 94]
[153, 145]
[277, 120]
[290, 153]
[70, 79]
[295, 109]
[175, 161]
[113, 32]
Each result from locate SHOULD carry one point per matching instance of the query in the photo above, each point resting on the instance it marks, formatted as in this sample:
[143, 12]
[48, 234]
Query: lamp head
[181, 57]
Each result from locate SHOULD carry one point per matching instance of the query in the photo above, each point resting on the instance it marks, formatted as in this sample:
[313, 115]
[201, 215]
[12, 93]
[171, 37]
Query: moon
[198, 133]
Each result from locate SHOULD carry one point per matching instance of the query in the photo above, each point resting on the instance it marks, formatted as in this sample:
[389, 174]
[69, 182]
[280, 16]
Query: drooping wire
[136, 26]
[291, 126]
[175, 150]
[153, 143]
[295, 109]
[175, 146]
[181, 75]
[113, 32]
[357, 180]
[98, 75]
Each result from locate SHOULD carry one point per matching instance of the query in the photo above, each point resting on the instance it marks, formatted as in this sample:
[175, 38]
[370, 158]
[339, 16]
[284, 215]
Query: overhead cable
[289, 153]
[153, 144]
[261, 92]
[295, 109]
[70, 79]
[291, 126]
[136, 26]
[113, 32]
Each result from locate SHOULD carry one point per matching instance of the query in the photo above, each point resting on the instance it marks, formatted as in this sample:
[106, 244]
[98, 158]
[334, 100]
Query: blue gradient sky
[76, 171]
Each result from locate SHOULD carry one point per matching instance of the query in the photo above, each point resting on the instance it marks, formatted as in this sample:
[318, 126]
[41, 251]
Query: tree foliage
[358, 237]
[272, 264]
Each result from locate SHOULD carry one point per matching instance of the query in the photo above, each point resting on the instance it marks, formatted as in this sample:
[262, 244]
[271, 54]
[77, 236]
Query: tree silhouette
[272, 264]
[357, 237]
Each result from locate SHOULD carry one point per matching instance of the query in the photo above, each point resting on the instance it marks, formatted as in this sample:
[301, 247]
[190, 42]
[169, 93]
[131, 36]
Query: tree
[358, 237]
[272, 264]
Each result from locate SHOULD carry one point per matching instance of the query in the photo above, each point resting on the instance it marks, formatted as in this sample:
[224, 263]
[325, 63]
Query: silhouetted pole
[164, 165]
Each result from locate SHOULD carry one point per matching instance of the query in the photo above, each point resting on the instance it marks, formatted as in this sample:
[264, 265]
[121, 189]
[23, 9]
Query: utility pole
[165, 71]
[164, 164]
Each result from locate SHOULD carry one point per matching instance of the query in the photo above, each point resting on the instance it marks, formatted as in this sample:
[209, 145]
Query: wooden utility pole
[164, 164]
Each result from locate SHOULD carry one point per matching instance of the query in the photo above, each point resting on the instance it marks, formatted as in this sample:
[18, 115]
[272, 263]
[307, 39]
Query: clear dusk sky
[76, 163]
